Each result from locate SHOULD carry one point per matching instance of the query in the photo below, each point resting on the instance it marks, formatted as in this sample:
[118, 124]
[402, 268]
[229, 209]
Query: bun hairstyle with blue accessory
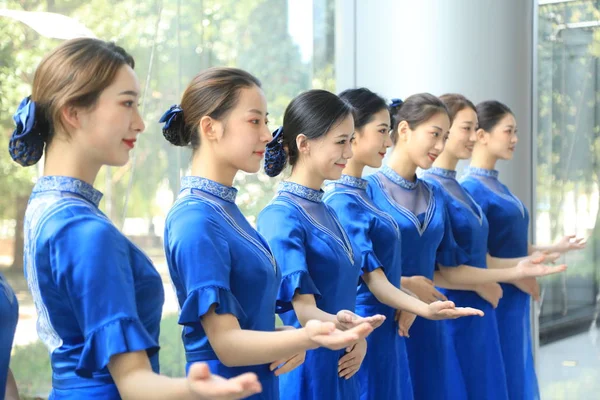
[313, 114]
[415, 110]
[214, 92]
[73, 75]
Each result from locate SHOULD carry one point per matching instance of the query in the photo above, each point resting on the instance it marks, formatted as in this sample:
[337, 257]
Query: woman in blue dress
[376, 236]
[476, 339]
[223, 270]
[98, 297]
[508, 221]
[420, 126]
[319, 264]
[9, 315]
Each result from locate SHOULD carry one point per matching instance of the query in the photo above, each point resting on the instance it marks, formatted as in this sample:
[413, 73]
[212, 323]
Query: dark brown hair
[75, 74]
[456, 103]
[415, 110]
[213, 92]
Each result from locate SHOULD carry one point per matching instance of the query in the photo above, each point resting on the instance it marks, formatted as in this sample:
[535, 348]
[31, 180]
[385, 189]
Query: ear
[303, 144]
[71, 116]
[210, 129]
[403, 130]
[482, 136]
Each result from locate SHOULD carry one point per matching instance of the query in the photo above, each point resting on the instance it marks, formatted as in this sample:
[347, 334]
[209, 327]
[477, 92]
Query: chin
[376, 162]
[334, 175]
[426, 164]
[250, 169]
[465, 156]
[117, 162]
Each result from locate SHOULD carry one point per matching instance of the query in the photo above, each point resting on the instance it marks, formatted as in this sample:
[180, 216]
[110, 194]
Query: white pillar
[483, 49]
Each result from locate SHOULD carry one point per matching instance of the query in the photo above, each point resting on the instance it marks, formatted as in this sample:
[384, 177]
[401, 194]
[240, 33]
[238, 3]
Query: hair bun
[174, 126]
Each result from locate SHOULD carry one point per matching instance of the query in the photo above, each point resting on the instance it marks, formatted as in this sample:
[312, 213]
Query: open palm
[214, 387]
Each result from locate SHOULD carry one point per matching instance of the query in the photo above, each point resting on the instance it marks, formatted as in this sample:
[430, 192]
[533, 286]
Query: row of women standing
[352, 271]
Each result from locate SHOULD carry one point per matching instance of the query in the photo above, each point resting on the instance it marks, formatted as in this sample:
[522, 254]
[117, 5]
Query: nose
[515, 139]
[439, 144]
[388, 141]
[265, 135]
[473, 136]
[138, 123]
[347, 153]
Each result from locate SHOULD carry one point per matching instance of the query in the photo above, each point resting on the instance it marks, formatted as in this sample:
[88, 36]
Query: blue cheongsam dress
[384, 373]
[316, 257]
[9, 314]
[216, 258]
[419, 210]
[95, 292]
[508, 238]
[476, 338]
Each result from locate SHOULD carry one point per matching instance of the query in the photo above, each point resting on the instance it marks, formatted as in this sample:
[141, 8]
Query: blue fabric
[384, 373]
[508, 238]
[426, 240]
[9, 314]
[216, 257]
[317, 258]
[95, 292]
[476, 338]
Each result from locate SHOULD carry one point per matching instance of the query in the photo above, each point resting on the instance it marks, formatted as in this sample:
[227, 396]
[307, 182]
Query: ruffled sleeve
[358, 224]
[199, 301]
[278, 224]
[200, 260]
[124, 335]
[91, 262]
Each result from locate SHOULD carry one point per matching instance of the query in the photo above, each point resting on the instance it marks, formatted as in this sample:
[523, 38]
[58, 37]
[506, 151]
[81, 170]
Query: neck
[302, 176]
[61, 160]
[354, 168]
[206, 165]
[446, 161]
[402, 165]
[482, 160]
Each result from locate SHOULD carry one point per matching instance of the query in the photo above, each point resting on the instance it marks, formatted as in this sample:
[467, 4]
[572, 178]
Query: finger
[548, 270]
[466, 311]
[199, 371]
[249, 383]
[320, 328]
[346, 359]
[427, 280]
[397, 315]
[349, 372]
[288, 366]
[362, 330]
[439, 296]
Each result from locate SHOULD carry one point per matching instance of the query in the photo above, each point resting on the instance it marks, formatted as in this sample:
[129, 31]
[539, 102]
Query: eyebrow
[468, 122]
[345, 135]
[510, 126]
[384, 124]
[129, 93]
[255, 111]
[437, 127]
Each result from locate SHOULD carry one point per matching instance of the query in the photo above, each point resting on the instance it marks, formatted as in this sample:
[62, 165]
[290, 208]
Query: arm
[12, 393]
[136, 380]
[390, 295]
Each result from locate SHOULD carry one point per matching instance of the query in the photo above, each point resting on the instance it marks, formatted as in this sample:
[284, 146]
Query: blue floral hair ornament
[173, 122]
[396, 103]
[275, 155]
[26, 145]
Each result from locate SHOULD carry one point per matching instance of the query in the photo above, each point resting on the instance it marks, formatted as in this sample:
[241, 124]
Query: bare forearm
[468, 275]
[390, 295]
[503, 263]
[306, 312]
[146, 385]
[238, 347]
[440, 281]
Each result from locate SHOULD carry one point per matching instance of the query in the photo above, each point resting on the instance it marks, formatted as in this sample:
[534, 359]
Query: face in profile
[426, 142]
[327, 155]
[243, 133]
[463, 134]
[372, 140]
[501, 142]
[106, 133]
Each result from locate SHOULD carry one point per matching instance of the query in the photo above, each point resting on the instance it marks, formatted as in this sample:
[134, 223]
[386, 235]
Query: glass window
[288, 45]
